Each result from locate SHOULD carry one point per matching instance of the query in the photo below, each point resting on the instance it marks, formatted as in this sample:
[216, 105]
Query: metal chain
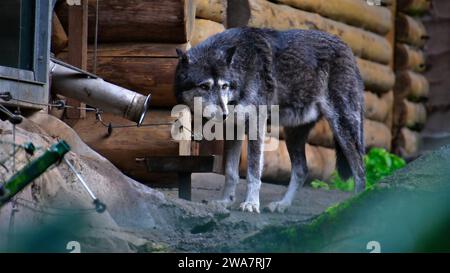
[61, 105]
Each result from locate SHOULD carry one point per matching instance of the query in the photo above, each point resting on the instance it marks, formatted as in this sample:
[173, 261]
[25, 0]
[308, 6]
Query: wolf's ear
[182, 56]
[229, 54]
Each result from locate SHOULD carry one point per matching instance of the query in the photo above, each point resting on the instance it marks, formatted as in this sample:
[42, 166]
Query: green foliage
[317, 184]
[378, 163]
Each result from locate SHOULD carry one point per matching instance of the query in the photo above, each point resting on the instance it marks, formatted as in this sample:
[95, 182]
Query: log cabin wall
[145, 62]
[136, 49]
[412, 88]
[437, 50]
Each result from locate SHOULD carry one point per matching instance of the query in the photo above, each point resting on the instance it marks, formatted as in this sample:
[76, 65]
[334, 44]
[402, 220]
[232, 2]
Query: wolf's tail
[342, 164]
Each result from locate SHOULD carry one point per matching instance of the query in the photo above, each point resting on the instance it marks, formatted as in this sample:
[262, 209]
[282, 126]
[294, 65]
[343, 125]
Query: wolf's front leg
[254, 169]
[232, 156]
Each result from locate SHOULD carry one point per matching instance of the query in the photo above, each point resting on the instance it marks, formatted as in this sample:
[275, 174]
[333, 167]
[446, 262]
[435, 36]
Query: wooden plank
[78, 27]
[59, 36]
[389, 97]
[185, 186]
[144, 68]
[125, 147]
[150, 50]
[181, 164]
[139, 20]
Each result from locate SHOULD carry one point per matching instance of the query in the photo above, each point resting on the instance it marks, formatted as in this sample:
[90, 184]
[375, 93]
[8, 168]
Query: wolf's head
[207, 73]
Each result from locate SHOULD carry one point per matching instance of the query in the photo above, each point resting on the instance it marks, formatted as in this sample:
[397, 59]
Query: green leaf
[317, 184]
[378, 163]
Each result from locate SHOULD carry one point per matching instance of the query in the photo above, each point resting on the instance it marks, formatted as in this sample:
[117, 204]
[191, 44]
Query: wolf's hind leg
[232, 156]
[295, 142]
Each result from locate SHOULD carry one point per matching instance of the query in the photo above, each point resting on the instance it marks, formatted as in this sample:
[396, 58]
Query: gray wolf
[309, 74]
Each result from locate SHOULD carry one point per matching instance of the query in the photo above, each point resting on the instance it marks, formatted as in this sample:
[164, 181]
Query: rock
[137, 217]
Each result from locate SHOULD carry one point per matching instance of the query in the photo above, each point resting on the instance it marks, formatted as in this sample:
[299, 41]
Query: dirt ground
[218, 234]
[137, 218]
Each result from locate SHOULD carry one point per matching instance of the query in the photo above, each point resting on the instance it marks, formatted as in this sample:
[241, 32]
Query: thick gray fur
[309, 74]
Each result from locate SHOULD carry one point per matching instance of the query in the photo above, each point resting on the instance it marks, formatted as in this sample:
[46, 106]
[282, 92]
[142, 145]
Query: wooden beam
[59, 36]
[78, 35]
[183, 164]
[389, 97]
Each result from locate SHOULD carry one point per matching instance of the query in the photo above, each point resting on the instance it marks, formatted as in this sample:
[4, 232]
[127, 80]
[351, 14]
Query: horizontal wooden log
[204, 29]
[353, 12]
[414, 7]
[59, 36]
[414, 115]
[411, 85]
[142, 50]
[261, 13]
[410, 31]
[321, 134]
[376, 134]
[144, 68]
[408, 143]
[139, 20]
[377, 78]
[407, 57]
[376, 108]
[213, 10]
[277, 165]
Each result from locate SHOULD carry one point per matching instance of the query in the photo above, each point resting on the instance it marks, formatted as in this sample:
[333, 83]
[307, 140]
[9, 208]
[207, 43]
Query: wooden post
[78, 46]
[184, 185]
[391, 38]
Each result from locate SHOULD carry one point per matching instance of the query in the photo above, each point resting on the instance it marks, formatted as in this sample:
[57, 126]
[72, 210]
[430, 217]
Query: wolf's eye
[204, 86]
[225, 86]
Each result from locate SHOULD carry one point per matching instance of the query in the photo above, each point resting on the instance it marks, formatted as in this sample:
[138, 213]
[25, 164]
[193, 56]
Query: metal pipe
[98, 93]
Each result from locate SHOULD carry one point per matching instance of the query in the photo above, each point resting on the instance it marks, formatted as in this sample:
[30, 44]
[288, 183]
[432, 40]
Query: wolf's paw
[226, 203]
[250, 206]
[279, 206]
